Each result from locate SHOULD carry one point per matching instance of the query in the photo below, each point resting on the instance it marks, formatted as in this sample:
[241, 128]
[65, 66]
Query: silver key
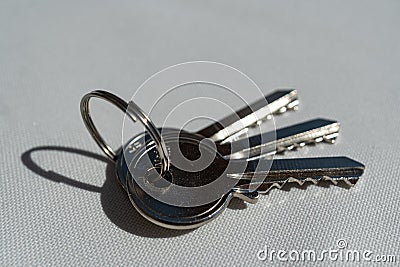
[233, 126]
[301, 170]
[267, 144]
[288, 138]
[278, 102]
[282, 171]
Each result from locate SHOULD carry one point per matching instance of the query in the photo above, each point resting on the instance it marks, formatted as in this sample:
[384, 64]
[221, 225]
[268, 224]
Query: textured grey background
[60, 203]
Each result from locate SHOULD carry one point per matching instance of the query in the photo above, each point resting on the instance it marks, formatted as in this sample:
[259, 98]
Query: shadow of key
[114, 200]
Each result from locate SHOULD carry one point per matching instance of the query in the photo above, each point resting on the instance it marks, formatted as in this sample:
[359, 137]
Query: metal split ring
[133, 112]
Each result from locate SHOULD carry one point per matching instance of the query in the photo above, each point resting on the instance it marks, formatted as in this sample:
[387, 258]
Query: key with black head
[151, 194]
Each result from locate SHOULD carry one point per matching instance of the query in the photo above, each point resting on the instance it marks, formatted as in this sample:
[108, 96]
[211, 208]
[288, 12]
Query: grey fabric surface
[60, 202]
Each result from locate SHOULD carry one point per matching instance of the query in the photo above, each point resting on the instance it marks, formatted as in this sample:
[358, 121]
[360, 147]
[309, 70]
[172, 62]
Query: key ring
[134, 112]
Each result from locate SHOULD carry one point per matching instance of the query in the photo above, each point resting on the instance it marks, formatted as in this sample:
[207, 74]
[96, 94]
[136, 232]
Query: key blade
[301, 170]
[288, 138]
[278, 102]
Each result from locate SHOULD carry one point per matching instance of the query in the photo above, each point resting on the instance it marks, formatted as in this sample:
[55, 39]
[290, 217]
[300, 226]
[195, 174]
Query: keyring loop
[133, 112]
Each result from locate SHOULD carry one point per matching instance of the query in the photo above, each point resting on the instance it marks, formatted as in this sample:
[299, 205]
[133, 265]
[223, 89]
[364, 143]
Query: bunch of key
[239, 166]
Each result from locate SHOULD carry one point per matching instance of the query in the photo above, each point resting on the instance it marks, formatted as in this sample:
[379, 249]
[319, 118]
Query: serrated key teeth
[299, 182]
[327, 178]
[247, 195]
[331, 138]
[282, 110]
[314, 181]
[268, 188]
[350, 182]
[265, 188]
[291, 147]
[294, 105]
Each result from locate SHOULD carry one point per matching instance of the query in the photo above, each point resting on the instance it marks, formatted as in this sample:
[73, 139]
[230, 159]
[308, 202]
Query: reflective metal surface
[133, 112]
[240, 165]
[283, 171]
[277, 102]
[288, 138]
